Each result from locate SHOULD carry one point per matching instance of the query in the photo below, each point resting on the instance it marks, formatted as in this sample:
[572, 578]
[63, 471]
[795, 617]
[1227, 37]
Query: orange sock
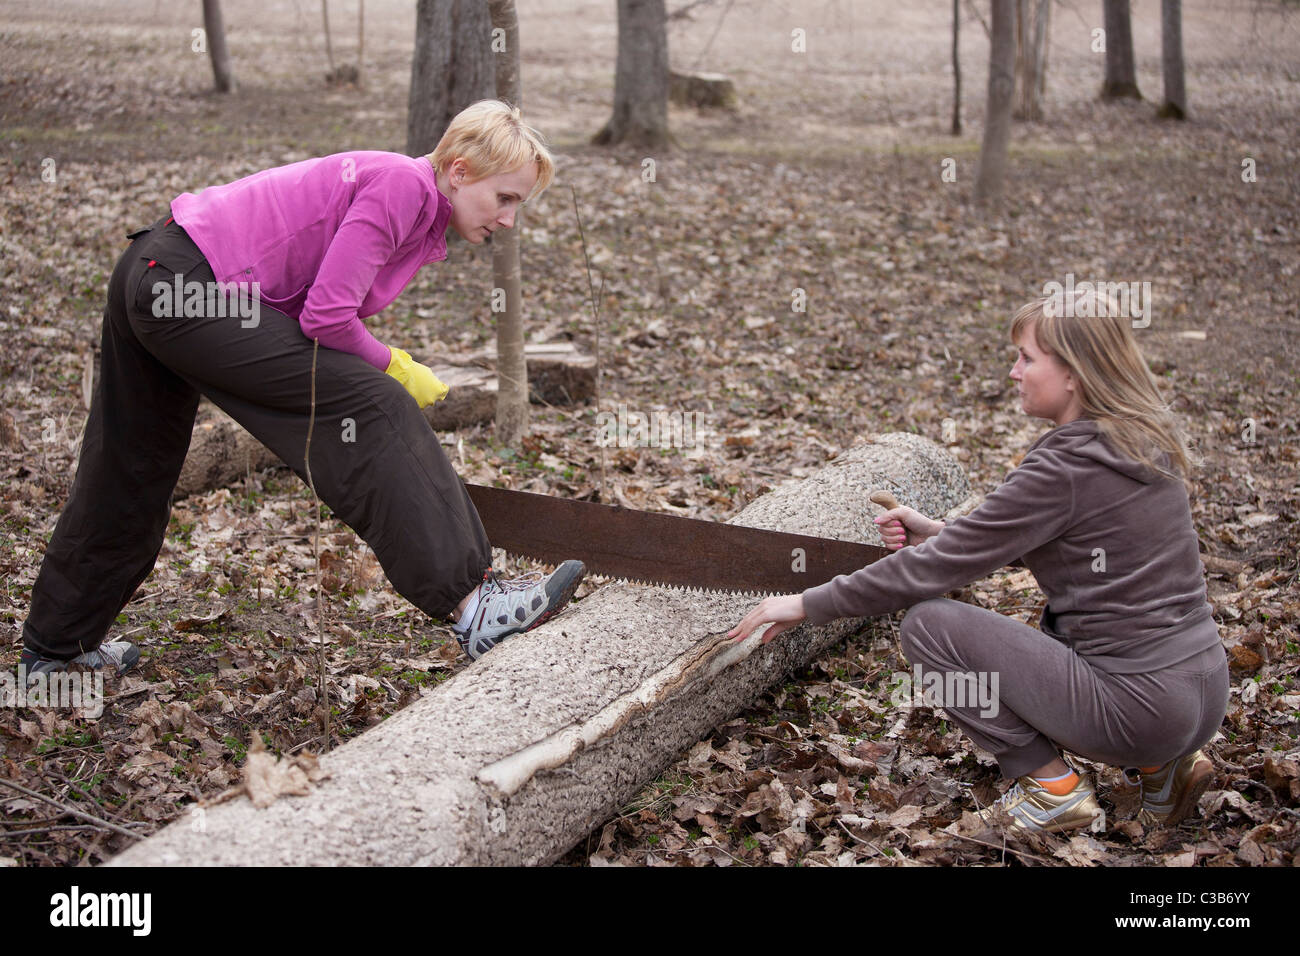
[1060, 786]
[1150, 769]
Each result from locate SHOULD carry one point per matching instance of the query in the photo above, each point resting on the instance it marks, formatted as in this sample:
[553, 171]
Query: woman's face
[481, 207]
[1047, 389]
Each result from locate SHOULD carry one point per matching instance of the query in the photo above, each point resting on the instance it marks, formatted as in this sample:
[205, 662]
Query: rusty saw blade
[655, 548]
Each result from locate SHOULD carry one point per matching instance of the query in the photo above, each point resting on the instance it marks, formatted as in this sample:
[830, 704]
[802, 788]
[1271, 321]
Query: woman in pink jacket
[1126, 667]
[223, 297]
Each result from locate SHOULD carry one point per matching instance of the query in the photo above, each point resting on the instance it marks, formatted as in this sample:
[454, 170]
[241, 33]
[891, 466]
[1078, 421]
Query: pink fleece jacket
[330, 241]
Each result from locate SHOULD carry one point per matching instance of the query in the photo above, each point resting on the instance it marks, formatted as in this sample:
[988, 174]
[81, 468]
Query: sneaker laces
[110, 652]
[521, 583]
[1005, 801]
[510, 591]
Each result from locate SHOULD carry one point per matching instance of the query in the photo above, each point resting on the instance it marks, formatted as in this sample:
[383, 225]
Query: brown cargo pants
[374, 459]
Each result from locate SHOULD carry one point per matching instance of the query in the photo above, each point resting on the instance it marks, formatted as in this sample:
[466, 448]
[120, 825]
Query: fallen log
[520, 756]
[220, 454]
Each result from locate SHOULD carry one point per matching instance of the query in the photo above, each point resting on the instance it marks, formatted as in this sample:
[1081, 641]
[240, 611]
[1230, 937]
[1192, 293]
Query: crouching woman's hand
[901, 527]
[782, 612]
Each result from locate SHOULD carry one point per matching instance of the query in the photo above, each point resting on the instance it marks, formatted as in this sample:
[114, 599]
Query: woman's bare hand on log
[782, 612]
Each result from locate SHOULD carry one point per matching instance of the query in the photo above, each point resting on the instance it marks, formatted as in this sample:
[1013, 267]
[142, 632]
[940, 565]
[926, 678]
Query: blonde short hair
[491, 138]
[1094, 340]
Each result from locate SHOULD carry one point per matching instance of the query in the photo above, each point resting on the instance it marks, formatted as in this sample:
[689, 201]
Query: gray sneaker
[518, 605]
[120, 655]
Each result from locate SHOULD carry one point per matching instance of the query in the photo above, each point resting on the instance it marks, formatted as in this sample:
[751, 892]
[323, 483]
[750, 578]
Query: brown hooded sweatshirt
[1110, 542]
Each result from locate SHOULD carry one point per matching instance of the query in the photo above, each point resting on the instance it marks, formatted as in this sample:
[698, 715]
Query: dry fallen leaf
[1082, 851]
[266, 779]
[904, 817]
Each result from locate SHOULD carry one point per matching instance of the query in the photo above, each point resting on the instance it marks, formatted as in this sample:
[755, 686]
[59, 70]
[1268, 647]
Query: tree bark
[512, 369]
[223, 76]
[1171, 59]
[1121, 71]
[997, 116]
[452, 67]
[641, 82]
[1032, 18]
[517, 758]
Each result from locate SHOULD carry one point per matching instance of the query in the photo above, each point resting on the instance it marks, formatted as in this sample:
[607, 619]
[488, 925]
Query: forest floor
[827, 179]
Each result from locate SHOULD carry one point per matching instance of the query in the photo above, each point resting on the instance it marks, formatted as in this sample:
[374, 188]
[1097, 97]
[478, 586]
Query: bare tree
[1121, 72]
[452, 67]
[1032, 18]
[465, 51]
[214, 29]
[1171, 59]
[956, 70]
[361, 38]
[329, 43]
[640, 78]
[997, 116]
[512, 369]
[344, 72]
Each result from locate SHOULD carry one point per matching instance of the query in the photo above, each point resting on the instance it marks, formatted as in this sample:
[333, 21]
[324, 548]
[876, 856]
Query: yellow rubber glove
[417, 379]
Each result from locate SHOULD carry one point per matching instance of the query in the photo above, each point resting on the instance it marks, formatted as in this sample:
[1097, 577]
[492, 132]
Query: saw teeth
[596, 571]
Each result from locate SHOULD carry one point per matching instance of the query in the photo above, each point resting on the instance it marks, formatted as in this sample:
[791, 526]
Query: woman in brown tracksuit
[1127, 668]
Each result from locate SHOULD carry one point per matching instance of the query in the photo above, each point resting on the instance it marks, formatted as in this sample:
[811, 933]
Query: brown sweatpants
[1049, 697]
[374, 459]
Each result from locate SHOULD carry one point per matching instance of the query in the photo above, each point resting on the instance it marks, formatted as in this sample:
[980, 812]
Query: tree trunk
[452, 67]
[1171, 58]
[641, 78]
[361, 39]
[956, 70]
[329, 41]
[997, 116]
[512, 369]
[215, 29]
[1121, 73]
[1031, 57]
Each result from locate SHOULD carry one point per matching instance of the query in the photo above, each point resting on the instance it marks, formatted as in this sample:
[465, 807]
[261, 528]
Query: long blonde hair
[1116, 388]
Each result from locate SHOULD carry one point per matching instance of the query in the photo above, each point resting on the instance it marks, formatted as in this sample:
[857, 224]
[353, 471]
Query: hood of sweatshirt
[1084, 439]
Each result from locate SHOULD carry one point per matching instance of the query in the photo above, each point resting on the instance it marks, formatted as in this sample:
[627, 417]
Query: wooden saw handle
[885, 500]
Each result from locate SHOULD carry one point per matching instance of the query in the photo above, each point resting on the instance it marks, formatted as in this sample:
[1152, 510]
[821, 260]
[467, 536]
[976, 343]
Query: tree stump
[702, 90]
